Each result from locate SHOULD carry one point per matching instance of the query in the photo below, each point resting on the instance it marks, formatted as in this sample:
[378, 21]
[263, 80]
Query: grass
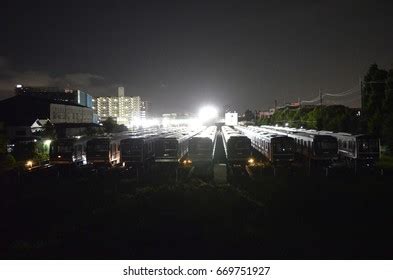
[386, 162]
[110, 216]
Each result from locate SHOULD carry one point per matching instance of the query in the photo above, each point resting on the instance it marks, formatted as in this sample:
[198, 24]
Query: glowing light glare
[286, 124]
[47, 142]
[29, 163]
[251, 161]
[191, 123]
[18, 86]
[207, 113]
[145, 123]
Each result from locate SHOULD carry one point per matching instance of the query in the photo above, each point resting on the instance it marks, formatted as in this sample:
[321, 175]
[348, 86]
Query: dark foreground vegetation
[91, 215]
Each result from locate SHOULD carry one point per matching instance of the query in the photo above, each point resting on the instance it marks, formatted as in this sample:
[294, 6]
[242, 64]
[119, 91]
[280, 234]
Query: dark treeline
[375, 116]
[336, 118]
[377, 104]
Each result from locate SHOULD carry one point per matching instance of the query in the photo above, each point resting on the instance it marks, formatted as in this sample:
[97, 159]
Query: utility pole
[320, 97]
[361, 94]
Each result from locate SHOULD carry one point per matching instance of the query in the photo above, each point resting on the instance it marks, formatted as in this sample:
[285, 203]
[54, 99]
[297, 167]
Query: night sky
[182, 54]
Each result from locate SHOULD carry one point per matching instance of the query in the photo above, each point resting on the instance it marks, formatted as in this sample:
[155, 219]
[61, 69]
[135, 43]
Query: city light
[18, 86]
[251, 161]
[29, 164]
[207, 113]
[47, 142]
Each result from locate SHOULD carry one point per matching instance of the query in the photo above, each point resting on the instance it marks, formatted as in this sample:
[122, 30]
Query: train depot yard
[216, 192]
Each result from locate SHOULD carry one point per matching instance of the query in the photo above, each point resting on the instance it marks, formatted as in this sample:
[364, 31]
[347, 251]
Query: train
[68, 151]
[202, 146]
[172, 147]
[314, 146]
[104, 150]
[276, 148]
[360, 149]
[357, 150]
[237, 146]
[138, 150]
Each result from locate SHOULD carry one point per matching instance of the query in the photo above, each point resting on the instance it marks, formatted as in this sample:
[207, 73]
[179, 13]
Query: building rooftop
[25, 110]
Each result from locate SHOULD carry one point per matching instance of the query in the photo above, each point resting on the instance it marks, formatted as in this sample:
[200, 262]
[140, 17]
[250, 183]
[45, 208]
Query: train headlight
[250, 161]
[189, 161]
[58, 156]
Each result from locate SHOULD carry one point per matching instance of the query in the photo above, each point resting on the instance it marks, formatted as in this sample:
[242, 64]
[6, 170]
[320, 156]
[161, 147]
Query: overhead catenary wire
[348, 92]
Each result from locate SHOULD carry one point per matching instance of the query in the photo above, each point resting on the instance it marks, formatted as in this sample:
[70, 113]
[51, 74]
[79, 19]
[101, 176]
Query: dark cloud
[92, 83]
[3, 62]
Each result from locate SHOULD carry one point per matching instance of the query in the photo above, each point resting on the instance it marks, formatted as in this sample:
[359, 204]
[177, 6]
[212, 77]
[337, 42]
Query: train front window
[61, 148]
[99, 147]
[283, 147]
[369, 145]
[327, 145]
[203, 146]
[64, 148]
[170, 145]
[132, 146]
[240, 145]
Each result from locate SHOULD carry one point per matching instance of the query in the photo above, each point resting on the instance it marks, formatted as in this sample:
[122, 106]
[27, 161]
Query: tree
[48, 131]
[120, 128]
[373, 98]
[109, 125]
[249, 115]
[387, 130]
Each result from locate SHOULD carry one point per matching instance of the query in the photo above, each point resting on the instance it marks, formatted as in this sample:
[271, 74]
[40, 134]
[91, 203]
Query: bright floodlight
[207, 113]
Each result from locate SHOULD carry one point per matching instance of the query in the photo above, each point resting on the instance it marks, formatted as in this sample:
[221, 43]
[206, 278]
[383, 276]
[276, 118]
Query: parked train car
[104, 150]
[138, 150]
[358, 150]
[237, 146]
[68, 151]
[277, 149]
[171, 147]
[203, 145]
[312, 145]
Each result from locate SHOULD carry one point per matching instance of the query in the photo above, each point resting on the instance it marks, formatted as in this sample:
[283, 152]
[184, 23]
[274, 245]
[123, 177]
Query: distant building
[266, 114]
[231, 118]
[123, 109]
[73, 96]
[23, 114]
[145, 111]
